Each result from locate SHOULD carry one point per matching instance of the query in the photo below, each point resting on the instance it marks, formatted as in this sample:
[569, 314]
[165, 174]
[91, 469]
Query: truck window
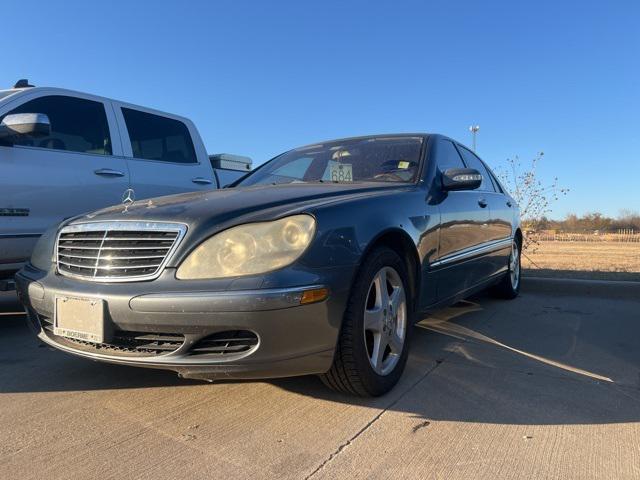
[473, 161]
[158, 138]
[77, 125]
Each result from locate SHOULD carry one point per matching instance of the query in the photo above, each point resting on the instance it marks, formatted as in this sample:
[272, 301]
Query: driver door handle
[202, 181]
[482, 202]
[108, 172]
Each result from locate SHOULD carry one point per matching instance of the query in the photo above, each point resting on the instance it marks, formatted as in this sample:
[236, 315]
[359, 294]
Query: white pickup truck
[63, 153]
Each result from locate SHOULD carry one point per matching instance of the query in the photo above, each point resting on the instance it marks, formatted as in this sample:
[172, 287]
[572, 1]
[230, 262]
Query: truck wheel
[374, 342]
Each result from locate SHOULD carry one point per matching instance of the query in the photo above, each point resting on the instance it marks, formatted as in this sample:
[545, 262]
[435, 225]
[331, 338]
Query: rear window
[159, 138]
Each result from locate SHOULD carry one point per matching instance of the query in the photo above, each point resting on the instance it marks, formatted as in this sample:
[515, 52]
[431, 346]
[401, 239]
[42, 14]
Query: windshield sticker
[341, 172]
[403, 165]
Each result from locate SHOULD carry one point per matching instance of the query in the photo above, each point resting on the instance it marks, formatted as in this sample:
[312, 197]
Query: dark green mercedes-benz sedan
[317, 262]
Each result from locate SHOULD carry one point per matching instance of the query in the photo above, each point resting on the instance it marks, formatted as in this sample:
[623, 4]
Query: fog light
[36, 291]
[313, 296]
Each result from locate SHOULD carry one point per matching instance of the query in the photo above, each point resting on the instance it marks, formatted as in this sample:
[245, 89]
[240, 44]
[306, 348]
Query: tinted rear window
[159, 138]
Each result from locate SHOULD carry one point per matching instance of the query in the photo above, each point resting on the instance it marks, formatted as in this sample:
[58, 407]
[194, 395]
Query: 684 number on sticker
[341, 172]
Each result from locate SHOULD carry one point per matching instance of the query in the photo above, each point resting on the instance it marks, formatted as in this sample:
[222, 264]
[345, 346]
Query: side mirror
[461, 179]
[24, 124]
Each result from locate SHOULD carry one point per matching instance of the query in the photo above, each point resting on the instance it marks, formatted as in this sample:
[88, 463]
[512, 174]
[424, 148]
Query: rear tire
[509, 286]
[374, 342]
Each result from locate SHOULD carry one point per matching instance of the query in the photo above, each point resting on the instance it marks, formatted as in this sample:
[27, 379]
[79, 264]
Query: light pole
[474, 130]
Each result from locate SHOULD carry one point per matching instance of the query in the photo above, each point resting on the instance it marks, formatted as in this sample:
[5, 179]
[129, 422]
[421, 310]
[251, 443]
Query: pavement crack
[369, 424]
[424, 424]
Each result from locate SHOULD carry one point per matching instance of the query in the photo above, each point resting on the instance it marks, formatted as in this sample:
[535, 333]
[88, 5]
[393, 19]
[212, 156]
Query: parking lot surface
[545, 386]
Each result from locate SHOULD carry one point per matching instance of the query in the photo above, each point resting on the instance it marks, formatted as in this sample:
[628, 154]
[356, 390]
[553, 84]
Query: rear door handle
[108, 172]
[202, 181]
[482, 202]
[509, 204]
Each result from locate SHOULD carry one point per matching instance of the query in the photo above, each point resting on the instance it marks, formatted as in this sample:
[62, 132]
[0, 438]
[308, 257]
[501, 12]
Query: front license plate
[81, 318]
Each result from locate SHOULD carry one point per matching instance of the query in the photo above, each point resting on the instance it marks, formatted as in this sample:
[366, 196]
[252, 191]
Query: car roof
[424, 135]
[365, 137]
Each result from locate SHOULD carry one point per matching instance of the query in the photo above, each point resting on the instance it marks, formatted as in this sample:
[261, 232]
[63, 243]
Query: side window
[295, 169]
[77, 125]
[225, 177]
[496, 184]
[474, 162]
[447, 156]
[158, 138]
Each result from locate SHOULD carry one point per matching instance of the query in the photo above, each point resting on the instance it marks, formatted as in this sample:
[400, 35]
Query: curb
[609, 289]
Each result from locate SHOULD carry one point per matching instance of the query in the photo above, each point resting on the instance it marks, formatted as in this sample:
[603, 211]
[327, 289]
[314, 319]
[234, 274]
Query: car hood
[237, 205]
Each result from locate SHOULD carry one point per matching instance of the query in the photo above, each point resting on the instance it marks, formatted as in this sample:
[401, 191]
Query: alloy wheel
[385, 320]
[514, 265]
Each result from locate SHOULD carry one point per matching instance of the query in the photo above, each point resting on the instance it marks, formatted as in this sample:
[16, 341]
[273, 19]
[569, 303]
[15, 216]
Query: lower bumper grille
[123, 343]
[227, 343]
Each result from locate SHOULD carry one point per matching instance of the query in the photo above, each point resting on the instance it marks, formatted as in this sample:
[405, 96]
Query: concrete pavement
[545, 386]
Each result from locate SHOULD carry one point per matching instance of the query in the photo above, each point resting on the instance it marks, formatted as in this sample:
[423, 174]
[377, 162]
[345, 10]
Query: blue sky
[261, 77]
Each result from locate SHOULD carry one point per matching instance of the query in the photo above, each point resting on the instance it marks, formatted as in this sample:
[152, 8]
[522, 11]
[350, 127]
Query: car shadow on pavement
[540, 359]
[28, 365]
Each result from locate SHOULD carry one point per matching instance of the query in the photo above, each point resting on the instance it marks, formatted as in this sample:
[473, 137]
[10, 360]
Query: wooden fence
[623, 237]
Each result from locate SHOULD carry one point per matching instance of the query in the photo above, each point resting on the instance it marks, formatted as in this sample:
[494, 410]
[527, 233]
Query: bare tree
[533, 196]
[628, 219]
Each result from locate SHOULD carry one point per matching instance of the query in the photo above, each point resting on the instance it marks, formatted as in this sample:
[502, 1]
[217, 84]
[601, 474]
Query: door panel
[499, 225]
[52, 185]
[501, 216]
[463, 229]
[500, 229]
[154, 179]
[464, 222]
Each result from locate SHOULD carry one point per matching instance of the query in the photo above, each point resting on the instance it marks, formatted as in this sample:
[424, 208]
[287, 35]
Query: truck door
[165, 154]
[77, 169]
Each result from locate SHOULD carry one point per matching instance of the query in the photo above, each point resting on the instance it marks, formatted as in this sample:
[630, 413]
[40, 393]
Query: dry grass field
[597, 260]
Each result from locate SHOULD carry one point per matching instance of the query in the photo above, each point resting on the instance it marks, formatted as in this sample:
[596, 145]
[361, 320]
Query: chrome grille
[116, 251]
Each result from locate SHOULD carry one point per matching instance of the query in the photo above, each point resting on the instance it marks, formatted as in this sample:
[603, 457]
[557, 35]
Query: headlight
[250, 249]
[42, 255]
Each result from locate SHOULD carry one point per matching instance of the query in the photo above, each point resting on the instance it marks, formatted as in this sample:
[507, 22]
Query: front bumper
[290, 339]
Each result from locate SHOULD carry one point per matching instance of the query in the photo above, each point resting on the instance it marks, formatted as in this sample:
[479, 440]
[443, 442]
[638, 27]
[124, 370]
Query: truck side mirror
[16, 125]
[461, 179]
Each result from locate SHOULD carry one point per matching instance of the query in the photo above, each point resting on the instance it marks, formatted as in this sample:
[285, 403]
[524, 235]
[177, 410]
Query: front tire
[373, 345]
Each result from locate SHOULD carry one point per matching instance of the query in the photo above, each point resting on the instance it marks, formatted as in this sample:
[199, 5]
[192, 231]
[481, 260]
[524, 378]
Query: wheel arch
[401, 242]
[518, 236]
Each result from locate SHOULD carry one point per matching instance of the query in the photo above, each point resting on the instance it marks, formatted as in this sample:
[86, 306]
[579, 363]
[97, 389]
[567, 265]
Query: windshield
[380, 159]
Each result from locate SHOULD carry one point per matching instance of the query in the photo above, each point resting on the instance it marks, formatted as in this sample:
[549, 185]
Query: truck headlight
[42, 255]
[250, 249]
